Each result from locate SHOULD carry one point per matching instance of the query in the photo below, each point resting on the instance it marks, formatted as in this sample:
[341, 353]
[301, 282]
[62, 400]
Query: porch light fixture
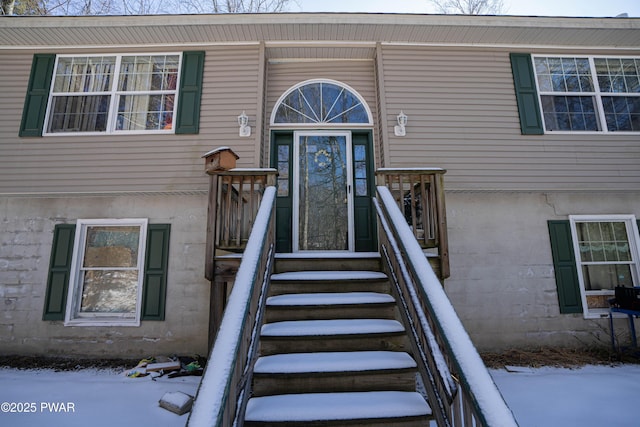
[243, 122]
[400, 129]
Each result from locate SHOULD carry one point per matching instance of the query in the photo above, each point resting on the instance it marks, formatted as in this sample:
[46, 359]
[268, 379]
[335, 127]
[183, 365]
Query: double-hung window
[585, 93]
[113, 93]
[110, 94]
[107, 271]
[592, 254]
[607, 256]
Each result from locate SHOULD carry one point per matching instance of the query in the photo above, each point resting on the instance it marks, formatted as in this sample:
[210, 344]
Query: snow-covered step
[382, 407]
[327, 298]
[296, 363]
[330, 305]
[328, 275]
[304, 336]
[334, 371]
[313, 260]
[333, 327]
[328, 281]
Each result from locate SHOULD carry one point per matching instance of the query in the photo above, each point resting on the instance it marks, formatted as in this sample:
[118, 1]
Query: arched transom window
[321, 102]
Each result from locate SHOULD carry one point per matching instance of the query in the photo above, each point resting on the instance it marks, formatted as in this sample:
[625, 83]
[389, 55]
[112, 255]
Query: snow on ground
[88, 397]
[586, 397]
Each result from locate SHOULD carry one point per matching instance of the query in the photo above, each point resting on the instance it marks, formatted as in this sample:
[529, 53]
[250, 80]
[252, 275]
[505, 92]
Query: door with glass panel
[322, 196]
[361, 234]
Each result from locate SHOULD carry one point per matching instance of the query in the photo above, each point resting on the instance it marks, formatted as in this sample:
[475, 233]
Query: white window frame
[634, 248]
[597, 94]
[320, 123]
[74, 296]
[114, 94]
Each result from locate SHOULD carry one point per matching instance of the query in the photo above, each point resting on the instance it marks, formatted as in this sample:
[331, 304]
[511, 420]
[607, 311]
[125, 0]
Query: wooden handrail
[444, 352]
[226, 382]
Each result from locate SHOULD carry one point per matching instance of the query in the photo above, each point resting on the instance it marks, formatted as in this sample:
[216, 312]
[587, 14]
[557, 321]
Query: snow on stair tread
[339, 298]
[337, 406]
[329, 275]
[344, 361]
[331, 327]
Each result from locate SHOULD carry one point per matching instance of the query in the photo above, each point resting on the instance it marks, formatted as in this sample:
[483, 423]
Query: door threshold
[328, 254]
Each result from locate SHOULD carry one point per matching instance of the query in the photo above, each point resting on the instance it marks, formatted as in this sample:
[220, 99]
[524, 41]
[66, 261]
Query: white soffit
[310, 28]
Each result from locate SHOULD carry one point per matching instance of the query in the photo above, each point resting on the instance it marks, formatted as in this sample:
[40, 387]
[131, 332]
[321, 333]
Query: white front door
[322, 198]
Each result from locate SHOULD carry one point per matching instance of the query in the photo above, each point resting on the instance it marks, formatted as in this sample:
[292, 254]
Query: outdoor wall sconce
[400, 129]
[243, 122]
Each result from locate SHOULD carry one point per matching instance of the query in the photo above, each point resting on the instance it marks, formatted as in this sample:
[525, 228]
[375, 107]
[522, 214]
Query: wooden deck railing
[235, 196]
[419, 193]
[234, 199]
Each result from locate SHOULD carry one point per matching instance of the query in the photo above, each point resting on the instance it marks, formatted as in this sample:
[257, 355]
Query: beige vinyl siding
[359, 75]
[14, 69]
[231, 82]
[135, 162]
[463, 117]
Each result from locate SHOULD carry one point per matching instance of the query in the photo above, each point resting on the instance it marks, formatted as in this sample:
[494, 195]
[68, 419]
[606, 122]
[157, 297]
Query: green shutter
[35, 104]
[564, 264]
[526, 94]
[154, 289]
[59, 272]
[188, 114]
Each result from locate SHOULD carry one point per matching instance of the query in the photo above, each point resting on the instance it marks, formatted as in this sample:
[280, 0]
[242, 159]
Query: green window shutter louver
[188, 113]
[35, 104]
[564, 265]
[154, 289]
[59, 272]
[526, 94]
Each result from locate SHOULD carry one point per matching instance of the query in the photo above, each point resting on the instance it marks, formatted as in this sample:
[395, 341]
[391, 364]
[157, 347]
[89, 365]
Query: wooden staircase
[332, 351]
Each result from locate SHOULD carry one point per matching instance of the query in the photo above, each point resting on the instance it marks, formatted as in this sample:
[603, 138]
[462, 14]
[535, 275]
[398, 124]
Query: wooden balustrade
[235, 195]
[234, 199]
[419, 193]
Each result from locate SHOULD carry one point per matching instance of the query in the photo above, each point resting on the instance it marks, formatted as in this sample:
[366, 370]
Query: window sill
[102, 322]
[600, 313]
[112, 133]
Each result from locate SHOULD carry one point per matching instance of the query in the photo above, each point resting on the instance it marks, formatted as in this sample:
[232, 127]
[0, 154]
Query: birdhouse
[220, 159]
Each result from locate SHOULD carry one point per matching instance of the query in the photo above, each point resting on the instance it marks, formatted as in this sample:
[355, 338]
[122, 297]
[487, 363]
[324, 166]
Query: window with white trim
[113, 93]
[105, 286]
[321, 102]
[586, 93]
[606, 252]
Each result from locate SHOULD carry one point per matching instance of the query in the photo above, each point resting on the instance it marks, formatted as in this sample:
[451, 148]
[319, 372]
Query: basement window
[607, 256]
[107, 270]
